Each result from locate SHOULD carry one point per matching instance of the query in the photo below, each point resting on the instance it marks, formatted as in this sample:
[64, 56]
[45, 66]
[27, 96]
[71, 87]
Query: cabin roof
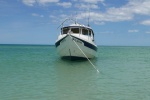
[78, 25]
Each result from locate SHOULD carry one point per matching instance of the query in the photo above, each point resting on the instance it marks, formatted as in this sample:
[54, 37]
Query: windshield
[75, 30]
[65, 30]
[84, 31]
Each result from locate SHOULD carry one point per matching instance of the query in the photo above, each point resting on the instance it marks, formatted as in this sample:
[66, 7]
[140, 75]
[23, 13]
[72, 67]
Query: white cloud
[34, 14]
[37, 15]
[63, 16]
[41, 2]
[92, 1]
[148, 32]
[146, 22]
[47, 1]
[133, 31]
[139, 6]
[99, 23]
[124, 13]
[112, 14]
[86, 6]
[29, 2]
[108, 16]
[65, 4]
[52, 16]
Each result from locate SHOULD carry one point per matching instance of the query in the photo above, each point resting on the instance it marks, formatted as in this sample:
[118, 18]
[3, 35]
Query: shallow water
[38, 73]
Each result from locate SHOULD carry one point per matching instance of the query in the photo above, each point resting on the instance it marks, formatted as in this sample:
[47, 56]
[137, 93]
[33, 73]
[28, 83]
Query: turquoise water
[37, 73]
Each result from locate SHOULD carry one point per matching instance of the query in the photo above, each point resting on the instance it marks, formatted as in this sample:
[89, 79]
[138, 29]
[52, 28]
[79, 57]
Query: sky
[114, 22]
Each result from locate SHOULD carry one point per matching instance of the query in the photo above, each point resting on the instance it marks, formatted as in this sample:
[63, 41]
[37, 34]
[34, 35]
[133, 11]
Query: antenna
[88, 21]
[89, 17]
[76, 18]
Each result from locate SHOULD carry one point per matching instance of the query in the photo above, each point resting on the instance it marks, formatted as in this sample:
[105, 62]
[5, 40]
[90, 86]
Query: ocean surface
[29, 72]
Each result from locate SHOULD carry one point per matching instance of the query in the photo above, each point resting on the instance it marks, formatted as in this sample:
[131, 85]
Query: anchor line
[70, 53]
[84, 54]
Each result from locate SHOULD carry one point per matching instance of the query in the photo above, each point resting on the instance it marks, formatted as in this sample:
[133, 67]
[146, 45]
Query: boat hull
[71, 46]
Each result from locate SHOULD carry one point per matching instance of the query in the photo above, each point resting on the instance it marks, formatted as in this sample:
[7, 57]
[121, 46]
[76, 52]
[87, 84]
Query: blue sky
[115, 22]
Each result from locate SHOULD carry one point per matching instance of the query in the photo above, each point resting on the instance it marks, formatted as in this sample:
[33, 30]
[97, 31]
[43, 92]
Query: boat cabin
[78, 30]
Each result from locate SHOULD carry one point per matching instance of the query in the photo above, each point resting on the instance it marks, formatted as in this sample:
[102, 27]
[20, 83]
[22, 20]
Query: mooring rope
[85, 55]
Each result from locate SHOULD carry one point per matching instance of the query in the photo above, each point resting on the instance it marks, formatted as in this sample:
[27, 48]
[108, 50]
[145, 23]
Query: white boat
[76, 41]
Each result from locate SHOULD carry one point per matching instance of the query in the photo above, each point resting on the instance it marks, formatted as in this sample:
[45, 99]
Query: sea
[36, 72]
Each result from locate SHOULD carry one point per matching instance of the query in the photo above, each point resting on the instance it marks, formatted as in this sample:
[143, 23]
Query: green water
[37, 73]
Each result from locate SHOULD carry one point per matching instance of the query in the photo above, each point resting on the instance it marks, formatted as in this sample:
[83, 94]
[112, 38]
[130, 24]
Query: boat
[76, 41]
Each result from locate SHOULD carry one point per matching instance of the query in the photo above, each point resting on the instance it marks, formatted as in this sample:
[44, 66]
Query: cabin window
[90, 33]
[84, 31]
[65, 30]
[75, 30]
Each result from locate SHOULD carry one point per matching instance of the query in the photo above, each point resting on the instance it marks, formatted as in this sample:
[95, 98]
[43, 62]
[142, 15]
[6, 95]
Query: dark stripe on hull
[85, 43]
[58, 42]
[73, 58]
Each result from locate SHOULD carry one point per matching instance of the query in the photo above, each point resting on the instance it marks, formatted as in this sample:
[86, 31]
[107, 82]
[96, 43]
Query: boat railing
[67, 20]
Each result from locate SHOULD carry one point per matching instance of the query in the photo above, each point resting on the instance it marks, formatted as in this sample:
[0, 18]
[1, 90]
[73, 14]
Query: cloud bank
[126, 12]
